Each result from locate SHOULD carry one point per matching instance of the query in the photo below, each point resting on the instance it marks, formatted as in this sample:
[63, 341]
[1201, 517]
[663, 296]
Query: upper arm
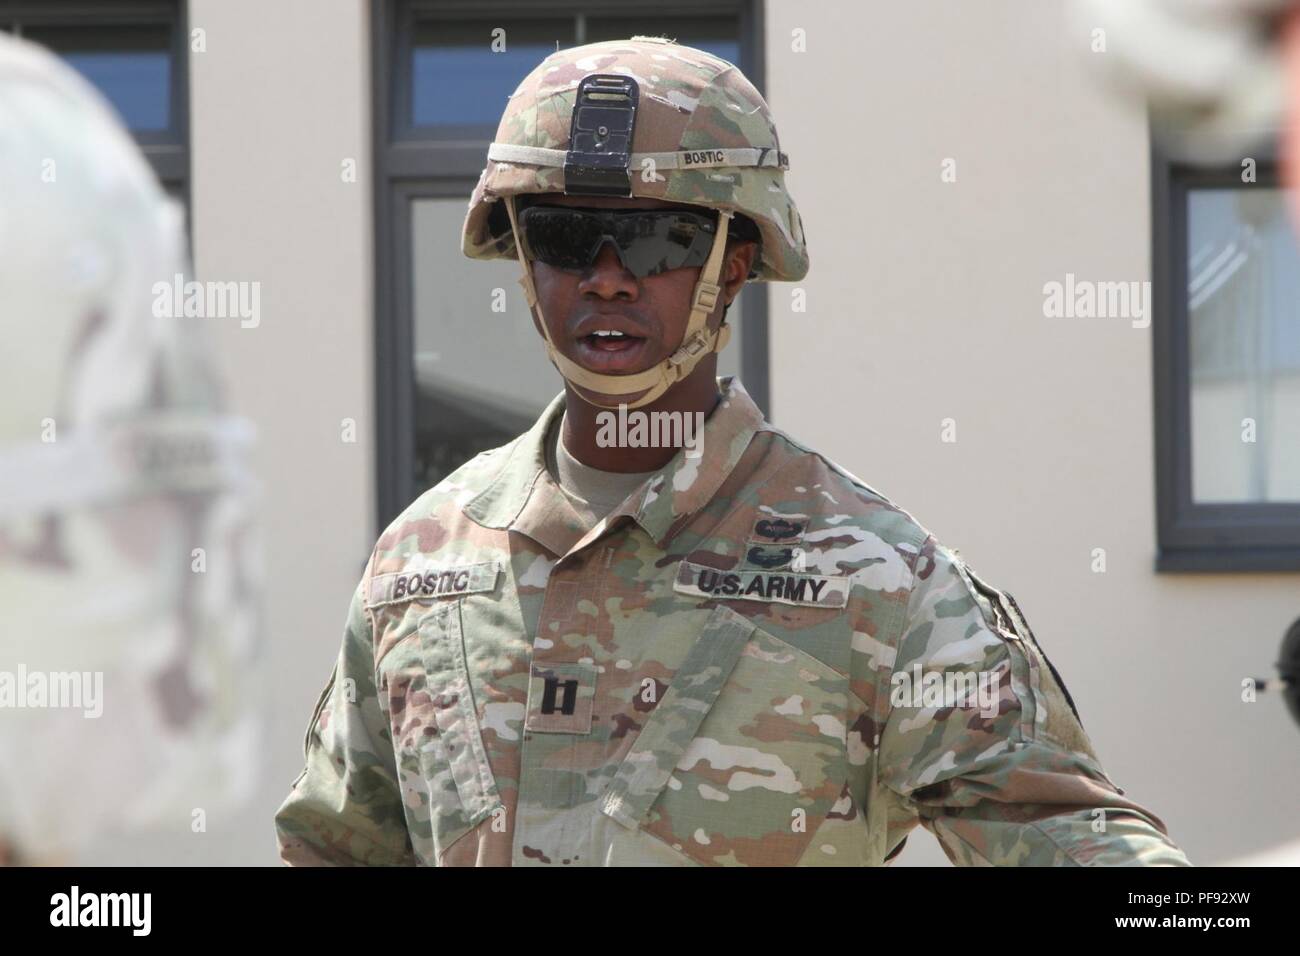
[994, 758]
[346, 806]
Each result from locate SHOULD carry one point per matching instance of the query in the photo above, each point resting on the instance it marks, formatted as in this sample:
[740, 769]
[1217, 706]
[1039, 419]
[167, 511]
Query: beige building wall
[925, 302]
[279, 100]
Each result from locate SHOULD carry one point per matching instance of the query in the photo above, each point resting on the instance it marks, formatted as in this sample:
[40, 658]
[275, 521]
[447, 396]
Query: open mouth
[611, 341]
[607, 350]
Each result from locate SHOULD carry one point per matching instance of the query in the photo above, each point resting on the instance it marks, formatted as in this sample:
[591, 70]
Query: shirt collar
[524, 497]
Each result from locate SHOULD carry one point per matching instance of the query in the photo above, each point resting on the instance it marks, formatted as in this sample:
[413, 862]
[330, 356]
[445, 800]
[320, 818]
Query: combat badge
[778, 530]
[769, 557]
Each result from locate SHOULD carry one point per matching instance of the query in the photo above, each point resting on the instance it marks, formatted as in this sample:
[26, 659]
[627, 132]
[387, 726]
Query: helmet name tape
[681, 159]
[600, 136]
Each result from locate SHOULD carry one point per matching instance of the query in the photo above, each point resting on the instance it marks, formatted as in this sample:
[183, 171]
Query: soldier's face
[651, 312]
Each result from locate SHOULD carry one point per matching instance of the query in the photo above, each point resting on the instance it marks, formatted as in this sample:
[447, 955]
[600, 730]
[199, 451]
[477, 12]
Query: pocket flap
[455, 713]
[671, 727]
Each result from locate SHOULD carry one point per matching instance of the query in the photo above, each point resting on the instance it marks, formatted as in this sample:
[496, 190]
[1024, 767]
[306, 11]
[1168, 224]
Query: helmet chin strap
[697, 342]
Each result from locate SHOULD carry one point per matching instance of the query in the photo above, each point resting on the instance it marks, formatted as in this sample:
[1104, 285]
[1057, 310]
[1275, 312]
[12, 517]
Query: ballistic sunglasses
[648, 241]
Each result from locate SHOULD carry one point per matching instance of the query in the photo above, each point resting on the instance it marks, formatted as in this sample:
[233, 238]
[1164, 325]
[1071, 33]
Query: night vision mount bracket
[599, 159]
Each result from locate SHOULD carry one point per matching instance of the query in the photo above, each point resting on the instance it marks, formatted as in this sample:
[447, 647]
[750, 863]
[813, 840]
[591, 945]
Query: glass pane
[462, 73]
[1244, 312]
[481, 376]
[716, 35]
[131, 66]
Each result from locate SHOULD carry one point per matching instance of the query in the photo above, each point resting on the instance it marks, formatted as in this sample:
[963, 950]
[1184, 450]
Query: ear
[736, 269]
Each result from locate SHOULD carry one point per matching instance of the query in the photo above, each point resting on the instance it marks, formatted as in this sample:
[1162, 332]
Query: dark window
[135, 53]
[131, 65]
[459, 79]
[1227, 364]
[716, 35]
[456, 376]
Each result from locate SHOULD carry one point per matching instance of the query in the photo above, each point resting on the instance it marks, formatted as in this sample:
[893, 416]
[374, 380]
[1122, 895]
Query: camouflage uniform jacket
[708, 675]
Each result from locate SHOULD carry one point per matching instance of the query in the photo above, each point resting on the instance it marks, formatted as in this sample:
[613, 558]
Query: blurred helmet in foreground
[1221, 76]
[1210, 68]
[127, 601]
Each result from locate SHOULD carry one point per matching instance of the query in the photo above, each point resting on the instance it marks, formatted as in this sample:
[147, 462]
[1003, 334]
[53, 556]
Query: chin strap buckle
[706, 296]
[695, 346]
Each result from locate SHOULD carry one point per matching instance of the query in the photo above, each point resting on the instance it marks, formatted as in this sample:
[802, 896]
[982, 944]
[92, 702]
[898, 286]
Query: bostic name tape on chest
[398, 586]
[811, 590]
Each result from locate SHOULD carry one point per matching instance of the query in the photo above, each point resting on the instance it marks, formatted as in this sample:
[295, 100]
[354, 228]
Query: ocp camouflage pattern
[589, 703]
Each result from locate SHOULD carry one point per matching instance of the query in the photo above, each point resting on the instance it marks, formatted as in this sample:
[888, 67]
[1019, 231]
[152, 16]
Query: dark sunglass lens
[655, 242]
[560, 237]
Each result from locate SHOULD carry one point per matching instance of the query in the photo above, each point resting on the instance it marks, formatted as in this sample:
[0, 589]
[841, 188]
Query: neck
[698, 392]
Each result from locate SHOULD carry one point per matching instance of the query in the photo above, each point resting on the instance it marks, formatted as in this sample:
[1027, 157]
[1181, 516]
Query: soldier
[569, 653]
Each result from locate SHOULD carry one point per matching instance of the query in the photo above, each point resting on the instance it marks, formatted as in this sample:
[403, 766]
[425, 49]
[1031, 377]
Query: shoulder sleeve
[984, 743]
[345, 808]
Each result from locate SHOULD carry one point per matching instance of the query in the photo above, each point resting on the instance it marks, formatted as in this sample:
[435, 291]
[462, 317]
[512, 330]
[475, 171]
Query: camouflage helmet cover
[122, 482]
[689, 101]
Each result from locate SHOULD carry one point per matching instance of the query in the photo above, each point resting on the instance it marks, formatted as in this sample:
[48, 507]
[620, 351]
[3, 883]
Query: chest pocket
[447, 782]
[745, 754]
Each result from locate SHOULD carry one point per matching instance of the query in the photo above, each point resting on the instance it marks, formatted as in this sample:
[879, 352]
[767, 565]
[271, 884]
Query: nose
[607, 277]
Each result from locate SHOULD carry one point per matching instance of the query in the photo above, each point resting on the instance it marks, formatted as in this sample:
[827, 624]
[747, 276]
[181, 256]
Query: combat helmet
[658, 120]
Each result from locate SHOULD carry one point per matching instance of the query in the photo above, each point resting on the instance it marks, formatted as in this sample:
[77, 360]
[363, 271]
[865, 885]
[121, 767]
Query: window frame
[168, 151]
[1191, 536]
[415, 162]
